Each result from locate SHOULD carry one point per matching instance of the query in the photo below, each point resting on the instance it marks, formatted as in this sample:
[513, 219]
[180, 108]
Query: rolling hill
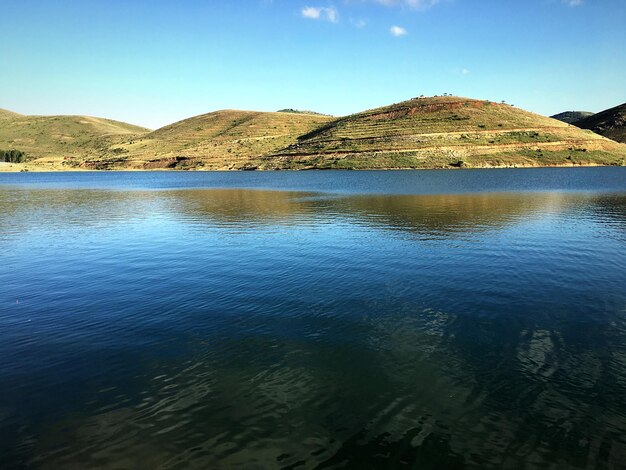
[570, 117]
[6, 114]
[610, 123]
[53, 139]
[226, 139]
[436, 132]
[444, 132]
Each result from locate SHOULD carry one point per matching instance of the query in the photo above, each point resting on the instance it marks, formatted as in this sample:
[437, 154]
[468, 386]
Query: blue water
[428, 319]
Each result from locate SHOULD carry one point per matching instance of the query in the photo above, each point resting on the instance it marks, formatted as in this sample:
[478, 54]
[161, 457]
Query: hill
[6, 114]
[610, 123]
[226, 139]
[54, 139]
[444, 132]
[300, 111]
[571, 117]
[437, 132]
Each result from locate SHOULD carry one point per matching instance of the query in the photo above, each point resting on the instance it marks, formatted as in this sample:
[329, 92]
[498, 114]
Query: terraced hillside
[444, 132]
[570, 117]
[610, 123]
[438, 132]
[50, 140]
[220, 140]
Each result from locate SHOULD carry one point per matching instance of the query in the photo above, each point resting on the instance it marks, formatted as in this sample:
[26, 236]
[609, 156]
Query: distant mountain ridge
[571, 117]
[610, 123]
[426, 132]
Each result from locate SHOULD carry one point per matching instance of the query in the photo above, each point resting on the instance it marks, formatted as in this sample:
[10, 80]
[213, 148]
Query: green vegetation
[445, 132]
[437, 132]
[51, 140]
[12, 156]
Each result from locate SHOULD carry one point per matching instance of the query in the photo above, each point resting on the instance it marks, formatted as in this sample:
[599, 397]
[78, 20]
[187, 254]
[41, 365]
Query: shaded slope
[220, 140]
[444, 132]
[610, 123]
[571, 116]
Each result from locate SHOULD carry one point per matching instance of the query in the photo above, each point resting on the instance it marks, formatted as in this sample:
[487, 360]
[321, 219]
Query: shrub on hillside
[12, 156]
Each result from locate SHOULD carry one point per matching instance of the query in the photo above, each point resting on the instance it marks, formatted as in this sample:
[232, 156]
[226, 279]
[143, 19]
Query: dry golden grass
[221, 140]
[52, 139]
[445, 132]
[437, 132]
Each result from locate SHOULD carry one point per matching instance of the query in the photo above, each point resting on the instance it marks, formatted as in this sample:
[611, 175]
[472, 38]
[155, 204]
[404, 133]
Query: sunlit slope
[62, 138]
[6, 114]
[442, 132]
[610, 123]
[438, 132]
[220, 140]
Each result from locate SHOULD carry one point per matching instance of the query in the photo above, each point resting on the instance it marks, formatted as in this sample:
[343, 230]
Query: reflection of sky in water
[217, 328]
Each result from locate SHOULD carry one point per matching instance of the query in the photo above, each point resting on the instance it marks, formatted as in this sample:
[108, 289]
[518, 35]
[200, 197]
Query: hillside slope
[220, 140]
[571, 117]
[610, 123]
[444, 132]
[438, 132]
[6, 114]
[60, 138]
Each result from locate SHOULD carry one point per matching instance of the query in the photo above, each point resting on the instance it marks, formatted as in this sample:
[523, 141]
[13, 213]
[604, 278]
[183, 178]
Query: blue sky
[155, 62]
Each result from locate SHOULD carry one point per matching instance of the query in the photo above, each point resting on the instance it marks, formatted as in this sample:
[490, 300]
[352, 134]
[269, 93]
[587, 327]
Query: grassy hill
[610, 123]
[570, 117]
[221, 140]
[53, 139]
[6, 114]
[438, 132]
[300, 111]
[444, 132]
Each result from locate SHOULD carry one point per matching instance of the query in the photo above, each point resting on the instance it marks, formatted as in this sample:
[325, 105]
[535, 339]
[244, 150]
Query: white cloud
[465, 72]
[416, 4]
[573, 3]
[321, 13]
[398, 31]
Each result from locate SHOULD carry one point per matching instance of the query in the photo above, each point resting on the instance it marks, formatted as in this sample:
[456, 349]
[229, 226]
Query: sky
[156, 62]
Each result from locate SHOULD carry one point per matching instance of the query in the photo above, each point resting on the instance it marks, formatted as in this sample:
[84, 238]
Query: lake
[416, 319]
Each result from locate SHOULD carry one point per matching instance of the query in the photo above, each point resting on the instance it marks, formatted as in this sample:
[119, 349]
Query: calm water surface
[455, 319]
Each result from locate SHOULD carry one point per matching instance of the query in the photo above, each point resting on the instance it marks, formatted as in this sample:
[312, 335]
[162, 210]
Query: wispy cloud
[358, 22]
[415, 4]
[398, 31]
[573, 3]
[321, 13]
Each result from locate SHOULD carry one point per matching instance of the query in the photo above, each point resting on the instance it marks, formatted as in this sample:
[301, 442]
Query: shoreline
[25, 168]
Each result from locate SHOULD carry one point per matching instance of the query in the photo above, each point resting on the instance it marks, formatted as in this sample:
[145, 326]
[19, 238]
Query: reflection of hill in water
[243, 207]
[441, 215]
[380, 373]
[611, 210]
[426, 215]
[422, 214]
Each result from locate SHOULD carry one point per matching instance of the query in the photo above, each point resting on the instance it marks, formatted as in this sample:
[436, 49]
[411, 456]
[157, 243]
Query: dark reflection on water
[226, 328]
